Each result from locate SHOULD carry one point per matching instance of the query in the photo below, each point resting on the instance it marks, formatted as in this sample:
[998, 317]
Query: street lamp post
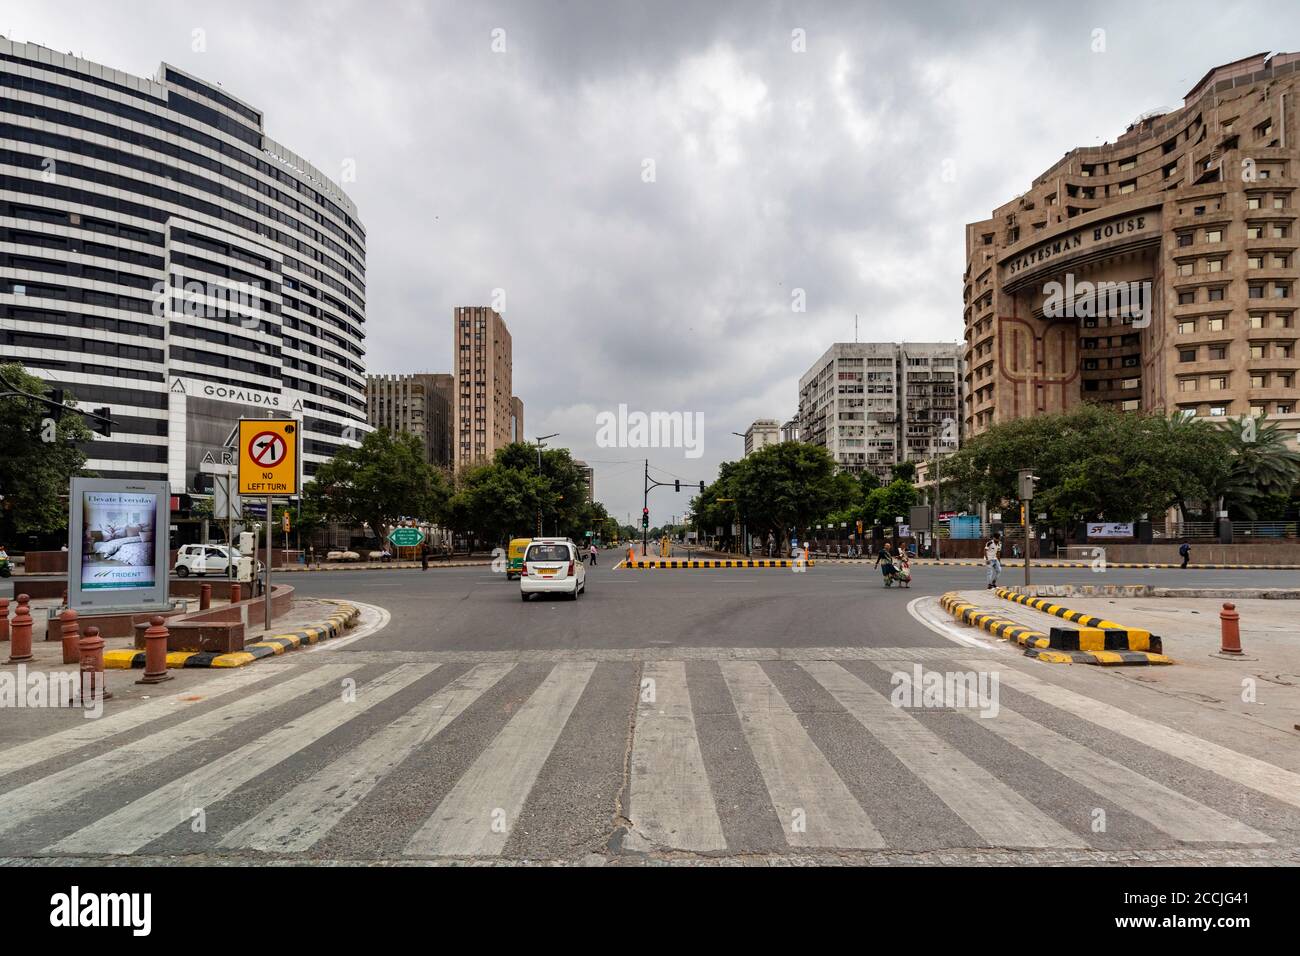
[541, 443]
[743, 549]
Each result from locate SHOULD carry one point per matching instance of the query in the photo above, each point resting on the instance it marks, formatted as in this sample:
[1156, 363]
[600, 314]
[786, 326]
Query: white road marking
[146, 819]
[672, 804]
[299, 818]
[477, 816]
[1237, 767]
[988, 806]
[814, 806]
[75, 782]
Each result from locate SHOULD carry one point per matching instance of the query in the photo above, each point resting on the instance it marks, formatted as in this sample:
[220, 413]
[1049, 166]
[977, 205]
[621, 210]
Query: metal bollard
[236, 593]
[155, 652]
[4, 619]
[1230, 630]
[20, 647]
[205, 597]
[93, 685]
[71, 633]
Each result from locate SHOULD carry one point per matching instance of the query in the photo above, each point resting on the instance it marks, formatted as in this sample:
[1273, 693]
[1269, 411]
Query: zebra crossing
[366, 759]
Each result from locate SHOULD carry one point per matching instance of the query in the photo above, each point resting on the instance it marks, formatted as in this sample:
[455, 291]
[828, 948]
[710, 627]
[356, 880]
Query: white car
[552, 565]
[201, 559]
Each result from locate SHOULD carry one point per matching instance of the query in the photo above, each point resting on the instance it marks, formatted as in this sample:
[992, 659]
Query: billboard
[117, 543]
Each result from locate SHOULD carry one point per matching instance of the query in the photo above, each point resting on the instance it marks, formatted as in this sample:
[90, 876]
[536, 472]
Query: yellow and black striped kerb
[1039, 645]
[335, 625]
[714, 563]
[1093, 633]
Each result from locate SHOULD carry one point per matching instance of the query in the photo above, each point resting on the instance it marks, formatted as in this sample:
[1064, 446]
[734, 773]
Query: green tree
[378, 483]
[1262, 466]
[38, 457]
[783, 488]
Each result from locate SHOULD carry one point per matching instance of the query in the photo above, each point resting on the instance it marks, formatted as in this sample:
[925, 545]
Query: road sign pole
[267, 595]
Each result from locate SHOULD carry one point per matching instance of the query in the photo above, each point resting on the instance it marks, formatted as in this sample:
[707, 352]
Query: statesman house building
[1157, 272]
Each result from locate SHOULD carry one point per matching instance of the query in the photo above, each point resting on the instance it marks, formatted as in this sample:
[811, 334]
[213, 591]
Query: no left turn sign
[267, 449]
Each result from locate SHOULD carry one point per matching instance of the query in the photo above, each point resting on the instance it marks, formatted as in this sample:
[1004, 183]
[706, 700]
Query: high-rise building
[874, 404]
[161, 255]
[765, 431]
[790, 430]
[517, 420]
[589, 477]
[484, 404]
[1157, 272]
[419, 405]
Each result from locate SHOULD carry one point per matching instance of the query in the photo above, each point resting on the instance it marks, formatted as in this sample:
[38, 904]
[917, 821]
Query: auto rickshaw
[515, 557]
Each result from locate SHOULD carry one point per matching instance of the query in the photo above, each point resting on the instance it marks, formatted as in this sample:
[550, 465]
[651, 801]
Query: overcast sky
[847, 170]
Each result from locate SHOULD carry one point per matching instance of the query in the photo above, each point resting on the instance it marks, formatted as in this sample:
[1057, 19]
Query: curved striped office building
[162, 256]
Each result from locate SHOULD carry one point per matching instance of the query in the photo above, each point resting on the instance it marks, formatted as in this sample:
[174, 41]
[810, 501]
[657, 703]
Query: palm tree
[1262, 464]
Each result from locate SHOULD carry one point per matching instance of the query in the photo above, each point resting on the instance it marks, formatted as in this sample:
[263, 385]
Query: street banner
[1110, 529]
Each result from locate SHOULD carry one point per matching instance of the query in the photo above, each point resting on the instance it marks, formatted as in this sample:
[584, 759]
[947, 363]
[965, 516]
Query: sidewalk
[1269, 672]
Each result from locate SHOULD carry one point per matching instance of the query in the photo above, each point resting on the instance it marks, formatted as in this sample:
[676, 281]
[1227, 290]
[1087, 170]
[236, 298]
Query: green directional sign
[406, 537]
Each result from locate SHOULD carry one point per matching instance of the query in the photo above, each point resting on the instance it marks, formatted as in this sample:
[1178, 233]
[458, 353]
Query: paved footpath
[635, 755]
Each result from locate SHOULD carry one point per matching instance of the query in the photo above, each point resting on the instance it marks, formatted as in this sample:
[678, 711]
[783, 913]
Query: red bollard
[235, 593]
[205, 597]
[4, 619]
[93, 685]
[71, 636]
[1230, 629]
[155, 652]
[20, 650]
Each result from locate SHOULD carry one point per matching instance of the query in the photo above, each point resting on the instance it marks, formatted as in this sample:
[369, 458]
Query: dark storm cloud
[775, 170]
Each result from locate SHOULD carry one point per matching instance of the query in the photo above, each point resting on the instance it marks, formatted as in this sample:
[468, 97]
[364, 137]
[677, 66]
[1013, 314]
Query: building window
[1256, 321]
[1218, 383]
[1254, 232]
[1187, 355]
[1214, 265]
[1216, 325]
[1255, 291]
[1214, 235]
[1186, 328]
[1184, 238]
[1216, 295]
[1257, 381]
[1257, 351]
[1187, 298]
[1279, 232]
[1187, 384]
[1279, 202]
[1184, 268]
[1218, 411]
[1218, 353]
[1131, 405]
[1254, 262]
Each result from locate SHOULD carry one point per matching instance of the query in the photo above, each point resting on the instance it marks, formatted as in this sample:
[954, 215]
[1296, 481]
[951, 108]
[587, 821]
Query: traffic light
[645, 517]
[102, 423]
[677, 485]
[56, 397]
[701, 487]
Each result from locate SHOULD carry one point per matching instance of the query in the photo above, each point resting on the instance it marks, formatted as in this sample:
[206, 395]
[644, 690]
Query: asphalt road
[830, 604]
[665, 716]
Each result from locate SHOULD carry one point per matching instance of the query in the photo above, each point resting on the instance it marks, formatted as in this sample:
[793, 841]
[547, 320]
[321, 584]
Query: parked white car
[552, 565]
[203, 559]
[342, 556]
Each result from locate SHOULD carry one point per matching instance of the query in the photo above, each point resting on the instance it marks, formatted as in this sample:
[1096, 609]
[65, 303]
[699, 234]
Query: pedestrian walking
[592, 552]
[885, 561]
[992, 555]
[1185, 550]
[424, 557]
